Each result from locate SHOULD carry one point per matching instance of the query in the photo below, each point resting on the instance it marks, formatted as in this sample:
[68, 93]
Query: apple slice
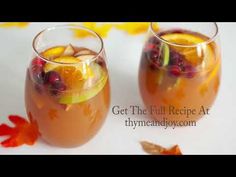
[86, 72]
[83, 52]
[85, 57]
[166, 58]
[69, 51]
[166, 52]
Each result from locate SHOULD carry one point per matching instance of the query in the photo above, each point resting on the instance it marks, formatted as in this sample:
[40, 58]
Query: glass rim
[64, 27]
[211, 38]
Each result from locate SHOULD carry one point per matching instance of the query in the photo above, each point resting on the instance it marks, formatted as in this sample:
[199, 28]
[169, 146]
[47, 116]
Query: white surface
[214, 134]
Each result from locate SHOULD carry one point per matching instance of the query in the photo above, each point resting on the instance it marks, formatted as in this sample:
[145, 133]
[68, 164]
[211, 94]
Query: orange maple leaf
[24, 132]
[155, 149]
[175, 150]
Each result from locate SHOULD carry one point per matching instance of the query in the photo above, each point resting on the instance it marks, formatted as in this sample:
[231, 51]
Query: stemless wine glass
[67, 87]
[180, 68]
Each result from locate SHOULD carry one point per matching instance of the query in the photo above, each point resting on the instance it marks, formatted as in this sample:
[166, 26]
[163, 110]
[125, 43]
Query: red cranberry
[38, 62]
[38, 74]
[189, 71]
[56, 88]
[175, 71]
[154, 59]
[155, 64]
[52, 77]
[153, 55]
[176, 58]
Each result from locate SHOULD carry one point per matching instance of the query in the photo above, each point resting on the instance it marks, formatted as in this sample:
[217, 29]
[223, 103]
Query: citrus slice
[182, 38]
[71, 75]
[53, 52]
[81, 94]
[67, 60]
[64, 59]
[200, 53]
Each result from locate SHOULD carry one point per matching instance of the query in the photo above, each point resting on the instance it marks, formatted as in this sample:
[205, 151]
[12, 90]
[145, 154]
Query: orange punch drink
[67, 85]
[180, 69]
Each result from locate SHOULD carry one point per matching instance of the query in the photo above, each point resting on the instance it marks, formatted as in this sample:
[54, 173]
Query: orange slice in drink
[192, 46]
[63, 60]
[79, 66]
[87, 89]
[53, 52]
[72, 75]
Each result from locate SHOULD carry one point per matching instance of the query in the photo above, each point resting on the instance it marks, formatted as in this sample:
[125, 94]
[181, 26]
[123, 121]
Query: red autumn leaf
[24, 132]
[175, 150]
[155, 149]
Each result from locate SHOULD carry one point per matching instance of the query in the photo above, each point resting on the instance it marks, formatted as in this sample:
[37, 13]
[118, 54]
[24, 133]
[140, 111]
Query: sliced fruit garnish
[53, 52]
[200, 54]
[67, 60]
[85, 57]
[71, 75]
[63, 59]
[86, 72]
[166, 54]
[182, 38]
[83, 52]
[90, 88]
[69, 51]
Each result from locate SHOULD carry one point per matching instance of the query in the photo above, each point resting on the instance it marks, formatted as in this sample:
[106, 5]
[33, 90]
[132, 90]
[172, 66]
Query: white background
[214, 134]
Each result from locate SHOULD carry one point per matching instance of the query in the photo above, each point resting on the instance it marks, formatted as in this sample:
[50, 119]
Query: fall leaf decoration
[24, 132]
[14, 24]
[134, 28]
[103, 29]
[155, 149]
